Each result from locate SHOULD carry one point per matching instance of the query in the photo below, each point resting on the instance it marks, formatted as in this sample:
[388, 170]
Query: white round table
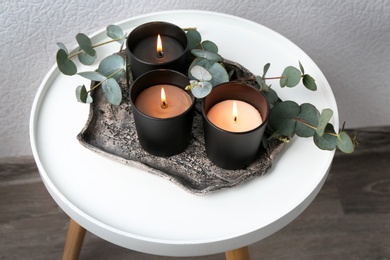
[146, 213]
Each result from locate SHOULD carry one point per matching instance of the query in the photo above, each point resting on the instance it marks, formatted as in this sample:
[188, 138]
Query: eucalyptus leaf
[291, 76]
[207, 55]
[301, 67]
[327, 141]
[345, 143]
[112, 66]
[62, 46]
[309, 82]
[202, 89]
[261, 82]
[93, 75]
[89, 98]
[271, 96]
[201, 62]
[116, 33]
[218, 73]
[86, 59]
[123, 44]
[65, 65]
[210, 46]
[265, 69]
[81, 94]
[308, 116]
[85, 44]
[325, 116]
[193, 39]
[200, 73]
[282, 117]
[112, 91]
[231, 73]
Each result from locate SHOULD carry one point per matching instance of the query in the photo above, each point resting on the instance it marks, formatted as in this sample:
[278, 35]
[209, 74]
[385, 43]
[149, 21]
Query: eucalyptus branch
[287, 118]
[190, 29]
[281, 77]
[108, 77]
[95, 46]
[110, 69]
[87, 53]
[313, 127]
[207, 70]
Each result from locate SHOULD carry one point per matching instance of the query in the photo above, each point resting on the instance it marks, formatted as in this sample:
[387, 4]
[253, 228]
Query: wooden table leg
[238, 254]
[74, 241]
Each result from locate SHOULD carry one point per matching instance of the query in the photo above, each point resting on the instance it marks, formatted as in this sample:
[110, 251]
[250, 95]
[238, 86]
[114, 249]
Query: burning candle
[163, 111]
[234, 116]
[156, 45]
[160, 52]
[158, 49]
[163, 101]
[233, 134]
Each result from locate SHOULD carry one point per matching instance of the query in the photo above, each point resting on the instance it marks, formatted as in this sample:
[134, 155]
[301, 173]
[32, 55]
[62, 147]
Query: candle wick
[160, 54]
[164, 105]
[235, 119]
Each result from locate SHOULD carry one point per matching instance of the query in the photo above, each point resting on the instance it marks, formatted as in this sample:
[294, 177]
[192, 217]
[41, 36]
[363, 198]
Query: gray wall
[349, 41]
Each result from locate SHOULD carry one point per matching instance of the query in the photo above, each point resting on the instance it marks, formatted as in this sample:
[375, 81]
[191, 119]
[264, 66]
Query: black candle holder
[141, 48]
[162, 136]
[234, 150]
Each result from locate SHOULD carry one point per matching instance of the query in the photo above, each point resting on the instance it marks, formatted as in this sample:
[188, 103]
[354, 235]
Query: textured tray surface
[110, 131]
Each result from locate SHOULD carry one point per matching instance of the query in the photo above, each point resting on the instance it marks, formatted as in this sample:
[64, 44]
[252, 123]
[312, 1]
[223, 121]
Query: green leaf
[207, 55]
[193, 38]
[291, 76]
[265, 69]
[345, 143]
[85, 44]
[326, 141]
[205, 63]
[301, 67]
[201, 89]
[261, 82]
[62, 46]
[200, 73]
[123, 43]
[82, 95]
[112, 64]
[218, 73]
[309, 82]
[230, 73]
[112, 91]
[201, 62]
[86, 59]
[92, 75]
[210, 46]
[271, 96]
[65, 65]
[326, 115]
[309, 115]
[116, 33]
[282, 117]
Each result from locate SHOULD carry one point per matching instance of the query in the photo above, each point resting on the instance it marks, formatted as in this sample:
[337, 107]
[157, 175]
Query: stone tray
[110, 131]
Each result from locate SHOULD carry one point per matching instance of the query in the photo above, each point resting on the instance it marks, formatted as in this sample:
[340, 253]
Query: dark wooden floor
[349, 219]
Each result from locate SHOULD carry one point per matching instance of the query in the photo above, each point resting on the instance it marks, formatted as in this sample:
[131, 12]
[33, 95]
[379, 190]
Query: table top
[146, 213]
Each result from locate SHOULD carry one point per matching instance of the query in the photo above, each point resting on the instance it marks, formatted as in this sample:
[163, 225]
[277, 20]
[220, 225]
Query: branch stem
[313, 127]
[189, 28]
[95, 46]
[281, 77]
[110, 76]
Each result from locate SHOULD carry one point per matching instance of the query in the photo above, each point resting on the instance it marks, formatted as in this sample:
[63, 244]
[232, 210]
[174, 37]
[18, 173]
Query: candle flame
[163, 99]
[160, 52]
[235, 111]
